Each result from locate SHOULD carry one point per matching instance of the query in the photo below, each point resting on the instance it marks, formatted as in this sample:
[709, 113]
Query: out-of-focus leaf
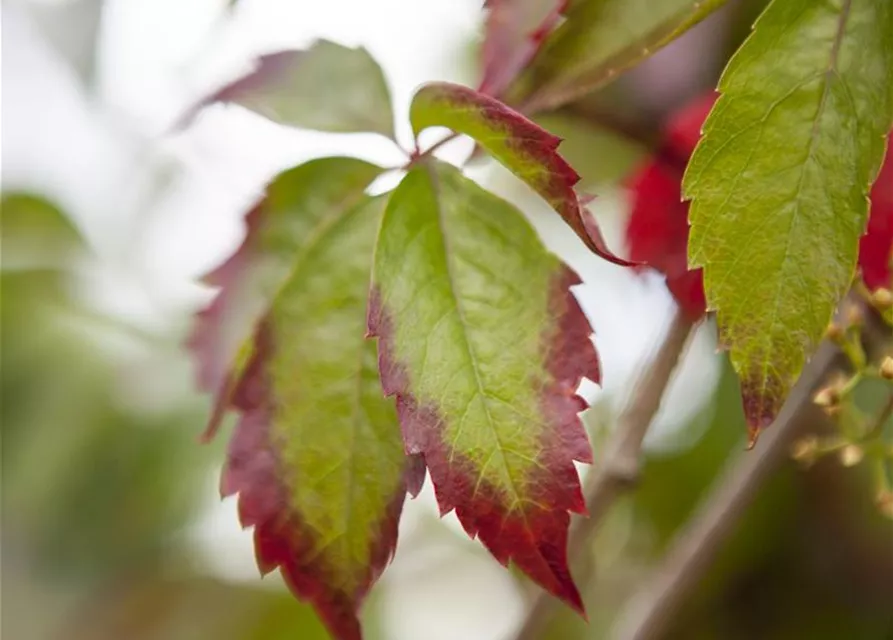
[779, 182]
[316, 458]
[876, 246]
[616, 156]
[525, 148]
[196, 607]
[515, 29]
[598, 40]
[483, 345]
[328, 87]
[36, 235]
[657, 229]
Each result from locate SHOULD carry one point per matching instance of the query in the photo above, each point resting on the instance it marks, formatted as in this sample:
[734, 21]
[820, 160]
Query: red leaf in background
[657, 229]
[876, 246]
[514, 32]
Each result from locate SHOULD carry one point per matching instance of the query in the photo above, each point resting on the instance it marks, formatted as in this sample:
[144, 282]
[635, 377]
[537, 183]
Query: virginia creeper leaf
[316, 458]
[779, 182]
[328, 87]
[483, 345]
[296, 202]
[515, 29]
[525, 148]
[598, 40]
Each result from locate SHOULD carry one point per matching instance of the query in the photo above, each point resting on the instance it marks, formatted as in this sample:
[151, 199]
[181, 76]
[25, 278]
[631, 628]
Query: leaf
[328, 87]
[598, 40]
[525, 148]
[515, 29]
[484, 346]
[296, 202]
[657, 228]
[779, 182]
[876, 246]
[316, 458]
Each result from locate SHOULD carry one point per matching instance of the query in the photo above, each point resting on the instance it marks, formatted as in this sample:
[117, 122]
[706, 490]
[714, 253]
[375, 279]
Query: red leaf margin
[538, 543]
[507, 50]
[253, 471]
[531, 143]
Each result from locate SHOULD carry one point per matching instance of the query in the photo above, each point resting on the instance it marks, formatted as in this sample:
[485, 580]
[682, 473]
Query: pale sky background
[160, 210]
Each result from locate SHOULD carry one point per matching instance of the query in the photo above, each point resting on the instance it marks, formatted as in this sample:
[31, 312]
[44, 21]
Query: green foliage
[598, 40]
[779, 183]
[342, 90]
[480, 344]
[315, 432]
[483, 346]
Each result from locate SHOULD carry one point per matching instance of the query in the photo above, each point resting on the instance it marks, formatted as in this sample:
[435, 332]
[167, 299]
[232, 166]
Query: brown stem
[650, 612]
[621, 465]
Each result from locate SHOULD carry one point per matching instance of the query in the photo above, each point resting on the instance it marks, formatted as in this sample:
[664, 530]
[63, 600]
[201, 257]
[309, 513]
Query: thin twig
[621, 466]
[651, 611]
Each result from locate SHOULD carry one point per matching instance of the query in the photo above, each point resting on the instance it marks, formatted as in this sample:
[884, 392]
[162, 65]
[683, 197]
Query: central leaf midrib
[472, 356]
[322, 230]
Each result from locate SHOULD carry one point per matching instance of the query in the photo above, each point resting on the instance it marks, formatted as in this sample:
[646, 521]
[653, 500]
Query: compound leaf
[780, 179]
[483, 345]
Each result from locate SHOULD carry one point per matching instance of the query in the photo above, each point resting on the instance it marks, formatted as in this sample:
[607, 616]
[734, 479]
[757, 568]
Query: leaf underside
[779, 182]
[483, 346]
[514, 30]
[526, 149]
[316, 457]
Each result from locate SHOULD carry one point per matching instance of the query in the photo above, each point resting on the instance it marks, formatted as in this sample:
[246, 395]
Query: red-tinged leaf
[657, 233]
[525, 148]
[327, 87]
[657, 230]
[514, 31]
[483, 346]
[316, 458]
[876, 246]
[296, 201]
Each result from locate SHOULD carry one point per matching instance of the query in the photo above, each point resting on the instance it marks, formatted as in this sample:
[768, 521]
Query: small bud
[833, 411]
[851, 455]
[882, 299]
[884, 503]
[827, 397]
[835, 333]
[886, 368]
[805, 450]
[854, 316]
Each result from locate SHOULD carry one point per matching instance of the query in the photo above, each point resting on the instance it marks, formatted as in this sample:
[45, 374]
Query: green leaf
[779, 183]
[597, 41]
[328, 87]
[296, 203]
[317, 458]
[484, 346]
[525, 148]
